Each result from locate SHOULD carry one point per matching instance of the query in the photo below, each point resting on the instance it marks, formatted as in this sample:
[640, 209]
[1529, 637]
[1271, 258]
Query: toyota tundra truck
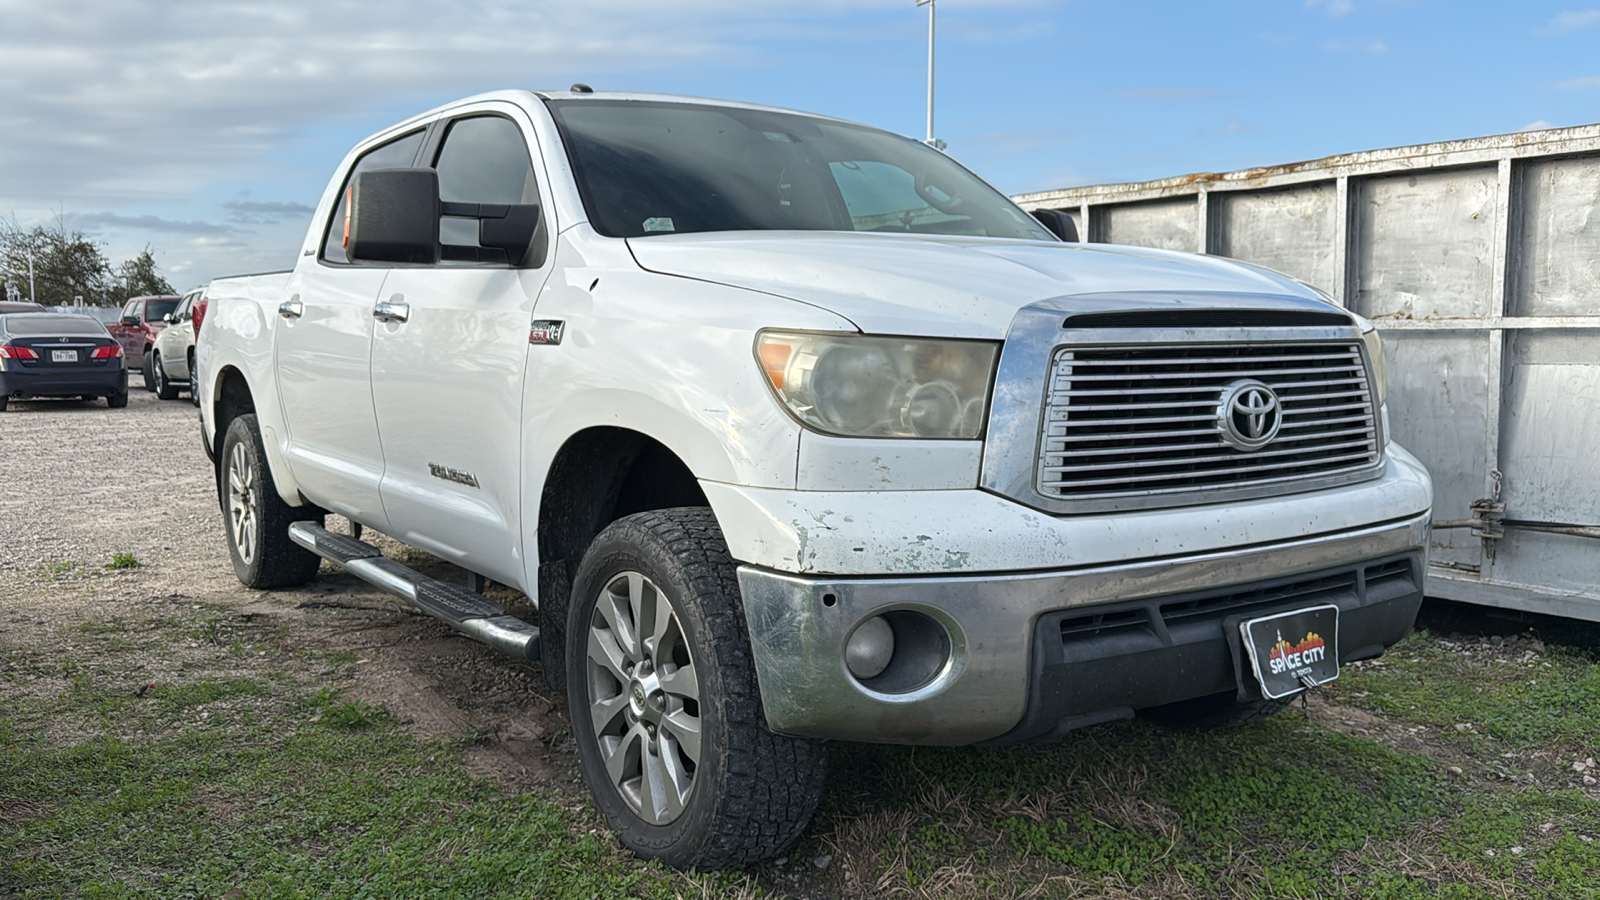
[794, 430]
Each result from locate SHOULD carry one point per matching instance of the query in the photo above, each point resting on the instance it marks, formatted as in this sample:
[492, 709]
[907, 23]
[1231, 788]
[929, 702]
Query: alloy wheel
[243, 511]
[644, 697]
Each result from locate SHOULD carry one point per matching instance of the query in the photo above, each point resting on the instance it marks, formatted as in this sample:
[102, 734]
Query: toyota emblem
[1249, 414]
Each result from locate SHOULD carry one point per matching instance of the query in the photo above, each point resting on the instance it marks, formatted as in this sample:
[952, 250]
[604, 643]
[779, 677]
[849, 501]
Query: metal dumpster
[1480, 262]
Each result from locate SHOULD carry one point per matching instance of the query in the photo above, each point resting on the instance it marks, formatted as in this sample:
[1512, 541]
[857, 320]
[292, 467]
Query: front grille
[1397, 576]
[1142, 421]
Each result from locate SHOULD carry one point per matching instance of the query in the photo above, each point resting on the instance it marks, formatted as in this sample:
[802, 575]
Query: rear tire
[117, 400]
[671, 738]
[1215, 712]
[4, 401]
[148, 370]
[255, 518]
[165, 389]
[194, 381]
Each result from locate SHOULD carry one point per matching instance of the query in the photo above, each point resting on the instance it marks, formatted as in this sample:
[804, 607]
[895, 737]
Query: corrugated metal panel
[1480, 262]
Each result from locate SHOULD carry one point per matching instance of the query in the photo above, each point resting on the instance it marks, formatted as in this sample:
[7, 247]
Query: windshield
[646, 168]
[155, 309]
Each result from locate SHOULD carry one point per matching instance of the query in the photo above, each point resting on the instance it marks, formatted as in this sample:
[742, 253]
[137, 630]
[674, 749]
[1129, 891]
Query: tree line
[68, 264]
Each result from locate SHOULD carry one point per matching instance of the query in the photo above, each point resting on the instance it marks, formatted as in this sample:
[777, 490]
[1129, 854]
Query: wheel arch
[231, 396]
[599, 474]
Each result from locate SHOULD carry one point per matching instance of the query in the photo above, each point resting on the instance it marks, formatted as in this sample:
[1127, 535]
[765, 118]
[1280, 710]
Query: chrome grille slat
[1230, 375]
[1190, 447]
[1130, 420]
[1168, 476]
[1189, 460]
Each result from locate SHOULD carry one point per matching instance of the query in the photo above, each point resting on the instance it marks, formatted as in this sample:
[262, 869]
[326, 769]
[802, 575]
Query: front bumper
[1005, 678]
[65, 382]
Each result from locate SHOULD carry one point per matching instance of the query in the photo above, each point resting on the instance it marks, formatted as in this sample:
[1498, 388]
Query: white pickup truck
[792, 430]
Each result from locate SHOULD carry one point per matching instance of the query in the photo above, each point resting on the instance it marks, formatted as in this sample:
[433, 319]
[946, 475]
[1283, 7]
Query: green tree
[138, 276]
[66, 264]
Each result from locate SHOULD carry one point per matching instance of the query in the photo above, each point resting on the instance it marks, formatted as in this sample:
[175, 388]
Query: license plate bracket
[1285, 649]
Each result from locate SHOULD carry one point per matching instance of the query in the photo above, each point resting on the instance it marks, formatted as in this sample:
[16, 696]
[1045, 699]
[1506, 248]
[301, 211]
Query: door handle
[394, 310]
[291, 308]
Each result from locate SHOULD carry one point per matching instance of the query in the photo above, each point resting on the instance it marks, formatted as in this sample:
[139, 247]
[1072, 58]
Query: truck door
[130, 336]
[323, 352]
[447, 364]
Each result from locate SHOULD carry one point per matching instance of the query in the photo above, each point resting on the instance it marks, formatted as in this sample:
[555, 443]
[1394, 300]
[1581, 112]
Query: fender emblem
[456, 475]
[546, 331]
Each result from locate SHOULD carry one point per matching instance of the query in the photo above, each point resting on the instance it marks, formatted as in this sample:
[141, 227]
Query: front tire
[665, 706]
[148, 369]
[256, 518]
[165, 389]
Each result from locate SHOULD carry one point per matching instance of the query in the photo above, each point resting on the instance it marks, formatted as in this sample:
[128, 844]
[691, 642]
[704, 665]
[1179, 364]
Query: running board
[472, 614]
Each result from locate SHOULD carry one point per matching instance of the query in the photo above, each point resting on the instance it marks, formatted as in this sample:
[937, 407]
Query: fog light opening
[870, 648]
[898, 652]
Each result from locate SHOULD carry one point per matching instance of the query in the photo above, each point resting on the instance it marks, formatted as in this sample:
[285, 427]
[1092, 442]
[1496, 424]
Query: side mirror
[392, 216]
[1059, 222]
[130, 321]
[168, 318]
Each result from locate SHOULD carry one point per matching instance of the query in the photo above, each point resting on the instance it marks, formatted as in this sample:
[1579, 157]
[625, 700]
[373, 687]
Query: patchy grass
[123, 561]
[212, 772]
[314, 797]
[1519, 692]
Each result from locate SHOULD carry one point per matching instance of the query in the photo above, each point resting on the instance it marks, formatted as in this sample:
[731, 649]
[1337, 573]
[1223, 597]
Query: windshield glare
[36, 324]
[645, 168]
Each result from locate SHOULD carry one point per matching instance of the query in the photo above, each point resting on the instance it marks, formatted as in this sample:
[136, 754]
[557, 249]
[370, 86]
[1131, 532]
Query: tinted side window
[484, 159]
[397, 154]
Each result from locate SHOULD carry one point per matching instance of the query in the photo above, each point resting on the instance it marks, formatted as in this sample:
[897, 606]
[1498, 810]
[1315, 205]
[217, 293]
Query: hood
[940, 285]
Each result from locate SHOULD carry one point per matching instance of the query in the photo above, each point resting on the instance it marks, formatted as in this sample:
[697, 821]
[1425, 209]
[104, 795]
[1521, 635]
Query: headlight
[856, 386]
[1380, 368]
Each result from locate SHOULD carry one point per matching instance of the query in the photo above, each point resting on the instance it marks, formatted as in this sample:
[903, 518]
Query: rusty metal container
[1480, 262]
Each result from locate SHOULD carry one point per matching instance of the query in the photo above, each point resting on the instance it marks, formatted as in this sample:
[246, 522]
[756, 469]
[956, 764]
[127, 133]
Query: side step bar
[472, 614]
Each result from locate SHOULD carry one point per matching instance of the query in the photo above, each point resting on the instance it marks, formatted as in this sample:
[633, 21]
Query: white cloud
[1240, 128]
[1573, 20]
[1356, 45]
[1587, 82]
[1334, 8]
[153, 113]
[1167, 94]
[1540, 125]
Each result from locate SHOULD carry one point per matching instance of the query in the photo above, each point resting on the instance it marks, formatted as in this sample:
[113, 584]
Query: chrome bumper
[799, 625]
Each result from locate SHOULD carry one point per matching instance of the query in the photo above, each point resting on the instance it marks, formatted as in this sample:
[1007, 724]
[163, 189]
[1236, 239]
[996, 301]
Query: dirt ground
[81, 483]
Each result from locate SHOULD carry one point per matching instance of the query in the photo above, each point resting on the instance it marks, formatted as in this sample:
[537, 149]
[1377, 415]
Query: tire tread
[773, 782]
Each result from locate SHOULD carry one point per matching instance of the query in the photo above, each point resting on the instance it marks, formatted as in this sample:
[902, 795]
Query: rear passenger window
[399, 153]
[484, 159]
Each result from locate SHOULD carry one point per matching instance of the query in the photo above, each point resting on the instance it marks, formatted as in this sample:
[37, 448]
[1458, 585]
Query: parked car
[19, 306]
[55, 355]
[142, 320]
[172, 357]
[795, 430]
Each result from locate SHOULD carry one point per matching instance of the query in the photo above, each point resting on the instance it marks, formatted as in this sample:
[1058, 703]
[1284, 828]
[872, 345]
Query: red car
[137, 329]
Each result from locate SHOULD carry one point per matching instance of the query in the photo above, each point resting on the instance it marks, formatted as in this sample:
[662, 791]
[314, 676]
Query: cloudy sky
[208, 129]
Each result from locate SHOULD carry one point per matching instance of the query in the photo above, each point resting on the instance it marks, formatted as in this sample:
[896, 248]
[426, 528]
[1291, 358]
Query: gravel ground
[81, 483]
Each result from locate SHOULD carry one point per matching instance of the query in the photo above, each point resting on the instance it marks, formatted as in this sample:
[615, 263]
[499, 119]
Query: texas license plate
[1293, 650]
[67, 356]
